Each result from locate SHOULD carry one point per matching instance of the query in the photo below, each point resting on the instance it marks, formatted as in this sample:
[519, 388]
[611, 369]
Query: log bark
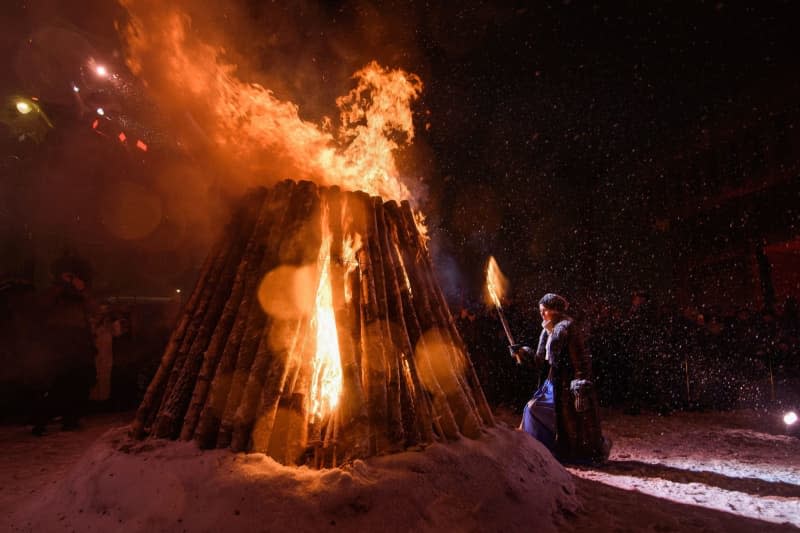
[296, 248]
[233, 376]
[170, 419]
[155, 390]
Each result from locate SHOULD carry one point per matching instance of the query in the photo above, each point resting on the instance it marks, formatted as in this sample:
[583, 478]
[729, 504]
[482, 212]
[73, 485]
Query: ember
[353, 367]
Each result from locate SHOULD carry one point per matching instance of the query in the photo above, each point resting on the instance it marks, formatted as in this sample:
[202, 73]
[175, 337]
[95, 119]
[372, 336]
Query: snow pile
[505, 481]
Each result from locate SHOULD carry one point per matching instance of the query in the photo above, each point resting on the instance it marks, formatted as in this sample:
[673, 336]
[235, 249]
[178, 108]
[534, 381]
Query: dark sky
[548, 120]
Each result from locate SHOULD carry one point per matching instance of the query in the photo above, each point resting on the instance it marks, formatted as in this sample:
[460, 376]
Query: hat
[554, 302]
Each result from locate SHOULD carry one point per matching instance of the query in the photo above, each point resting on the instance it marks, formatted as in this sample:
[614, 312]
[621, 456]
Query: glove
[581, 389]
[520, 351]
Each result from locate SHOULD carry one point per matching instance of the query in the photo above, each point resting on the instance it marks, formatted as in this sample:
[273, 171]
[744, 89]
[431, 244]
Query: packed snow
[732, 471]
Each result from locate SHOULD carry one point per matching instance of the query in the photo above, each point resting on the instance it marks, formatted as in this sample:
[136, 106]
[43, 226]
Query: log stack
[242, 367]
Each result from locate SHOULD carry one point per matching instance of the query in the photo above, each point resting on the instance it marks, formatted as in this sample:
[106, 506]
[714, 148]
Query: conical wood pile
[246, 366]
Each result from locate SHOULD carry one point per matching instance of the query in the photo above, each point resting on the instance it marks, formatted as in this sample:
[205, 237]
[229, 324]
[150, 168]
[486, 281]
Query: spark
[101, 111]
[101, 71]
[790, 418]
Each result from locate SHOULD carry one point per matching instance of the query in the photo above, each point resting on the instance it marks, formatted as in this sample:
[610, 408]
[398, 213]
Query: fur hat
[554, 302]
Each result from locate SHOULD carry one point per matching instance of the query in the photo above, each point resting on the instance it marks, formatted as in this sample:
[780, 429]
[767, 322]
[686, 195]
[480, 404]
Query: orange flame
[326, 381]
[247, 123]
[422, 228]
[496, 283]
[403, 268]
[350, 246]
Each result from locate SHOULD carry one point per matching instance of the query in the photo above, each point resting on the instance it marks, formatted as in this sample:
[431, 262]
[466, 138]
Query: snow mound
[505, 481]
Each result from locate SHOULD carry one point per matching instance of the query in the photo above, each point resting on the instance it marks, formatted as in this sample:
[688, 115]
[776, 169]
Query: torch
[496, 284]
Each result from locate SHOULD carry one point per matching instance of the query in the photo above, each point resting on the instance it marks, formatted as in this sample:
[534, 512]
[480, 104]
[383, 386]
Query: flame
[248, 124]
[403, 268]
[422, 228]
[496, 283]
[350, 245]
[326, 381]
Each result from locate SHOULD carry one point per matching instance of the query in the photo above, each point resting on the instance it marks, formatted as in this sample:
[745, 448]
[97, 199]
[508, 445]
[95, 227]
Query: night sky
[544, 129]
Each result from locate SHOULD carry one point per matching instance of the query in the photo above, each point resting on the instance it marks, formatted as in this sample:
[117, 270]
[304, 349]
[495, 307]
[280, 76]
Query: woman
[563, 413]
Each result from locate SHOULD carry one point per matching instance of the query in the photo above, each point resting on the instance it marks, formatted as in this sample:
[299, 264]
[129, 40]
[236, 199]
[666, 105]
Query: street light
[24, 107]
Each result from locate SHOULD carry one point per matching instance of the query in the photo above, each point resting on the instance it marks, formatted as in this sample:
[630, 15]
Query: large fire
[243, 129]
[326, 381]
[248, 125]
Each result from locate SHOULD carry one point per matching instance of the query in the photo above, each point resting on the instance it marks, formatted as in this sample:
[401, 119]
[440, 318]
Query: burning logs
[317, 334]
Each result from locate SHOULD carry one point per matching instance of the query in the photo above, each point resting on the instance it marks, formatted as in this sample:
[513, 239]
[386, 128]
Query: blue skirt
[539, 416]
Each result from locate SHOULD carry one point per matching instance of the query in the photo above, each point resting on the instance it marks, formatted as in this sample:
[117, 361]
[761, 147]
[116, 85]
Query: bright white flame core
[326, 382]
[790, 418]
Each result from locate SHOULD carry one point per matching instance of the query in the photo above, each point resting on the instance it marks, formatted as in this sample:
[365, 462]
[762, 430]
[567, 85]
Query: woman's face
[547, 314]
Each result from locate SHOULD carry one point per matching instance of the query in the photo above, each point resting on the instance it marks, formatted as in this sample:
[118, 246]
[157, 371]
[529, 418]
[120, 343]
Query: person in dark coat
[564, 413]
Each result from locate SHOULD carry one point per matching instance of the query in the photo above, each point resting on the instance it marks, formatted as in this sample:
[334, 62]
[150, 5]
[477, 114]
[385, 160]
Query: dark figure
[563, 413]
[66, 352]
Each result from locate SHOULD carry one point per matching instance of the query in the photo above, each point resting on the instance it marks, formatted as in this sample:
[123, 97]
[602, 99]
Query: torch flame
[326, 382]
[496, 283]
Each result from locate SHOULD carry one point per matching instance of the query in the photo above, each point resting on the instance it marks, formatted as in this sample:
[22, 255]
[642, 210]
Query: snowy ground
[685, 472]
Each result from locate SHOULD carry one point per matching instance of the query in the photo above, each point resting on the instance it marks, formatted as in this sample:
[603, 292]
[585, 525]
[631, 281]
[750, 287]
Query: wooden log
[372, 347]
[282, 370]
[296, 247]
[415, 404]
[208, 291]
[154, 391]
[449, 331]
[170, 418]
[395, 430]
[249, 321]
[269, 369]
[441, 414]
[176, 359]
[236, 307]
[438, 369]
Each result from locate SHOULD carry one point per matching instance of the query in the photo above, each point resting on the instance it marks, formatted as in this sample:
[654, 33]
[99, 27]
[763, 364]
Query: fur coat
[578, 434]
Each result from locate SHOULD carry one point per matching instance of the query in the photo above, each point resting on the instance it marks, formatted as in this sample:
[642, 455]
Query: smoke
[226, 96]
[212, 88]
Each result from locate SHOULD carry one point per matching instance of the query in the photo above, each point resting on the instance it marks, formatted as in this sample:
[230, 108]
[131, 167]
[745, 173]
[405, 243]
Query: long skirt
[539, 415]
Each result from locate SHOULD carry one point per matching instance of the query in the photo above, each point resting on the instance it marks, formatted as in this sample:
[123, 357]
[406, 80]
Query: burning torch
[496, 284]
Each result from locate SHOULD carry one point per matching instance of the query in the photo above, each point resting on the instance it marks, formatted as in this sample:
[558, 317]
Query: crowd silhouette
[652, 358]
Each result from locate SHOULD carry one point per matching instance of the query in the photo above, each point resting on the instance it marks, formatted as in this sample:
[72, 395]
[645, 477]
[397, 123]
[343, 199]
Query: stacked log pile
[239, 369]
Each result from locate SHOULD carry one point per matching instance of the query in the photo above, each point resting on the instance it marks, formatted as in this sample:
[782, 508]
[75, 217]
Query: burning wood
[317, 334]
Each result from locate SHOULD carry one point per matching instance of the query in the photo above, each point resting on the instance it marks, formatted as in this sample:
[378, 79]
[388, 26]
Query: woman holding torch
[563, 413]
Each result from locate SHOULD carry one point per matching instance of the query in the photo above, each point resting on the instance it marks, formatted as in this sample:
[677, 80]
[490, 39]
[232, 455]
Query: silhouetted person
[65, 351]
